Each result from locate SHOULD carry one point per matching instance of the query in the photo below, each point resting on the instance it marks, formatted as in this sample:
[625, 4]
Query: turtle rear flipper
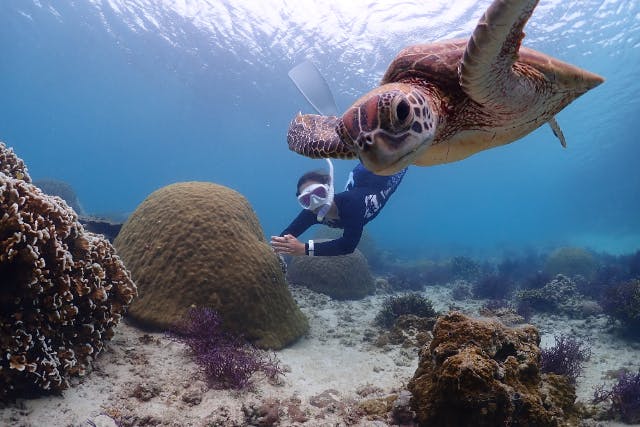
[555, 127]
[315, 136]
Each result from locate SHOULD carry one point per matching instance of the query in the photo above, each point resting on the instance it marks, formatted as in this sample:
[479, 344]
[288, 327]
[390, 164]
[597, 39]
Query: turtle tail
[315, 136]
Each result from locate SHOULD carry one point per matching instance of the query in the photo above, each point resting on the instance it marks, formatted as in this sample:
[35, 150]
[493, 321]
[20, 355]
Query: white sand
[145, 379]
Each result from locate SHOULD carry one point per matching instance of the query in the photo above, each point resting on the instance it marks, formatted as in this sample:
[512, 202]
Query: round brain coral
[344, 277]
[200, 244]
[62, 290]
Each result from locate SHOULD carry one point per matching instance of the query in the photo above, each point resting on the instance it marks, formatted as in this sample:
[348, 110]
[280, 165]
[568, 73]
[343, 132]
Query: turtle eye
[402, 110]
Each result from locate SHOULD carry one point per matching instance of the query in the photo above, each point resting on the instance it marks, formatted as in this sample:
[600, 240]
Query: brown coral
[11, 165]
[482, 373]
[341, 277]
[200, 244]
[63, 290]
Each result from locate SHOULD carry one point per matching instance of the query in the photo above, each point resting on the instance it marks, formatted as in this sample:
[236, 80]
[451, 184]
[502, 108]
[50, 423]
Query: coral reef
[566, 357]
[200, 244]
[341, 277]
[481, 373]
[376, 259]
[464, 268]
[104, 226]
[570, 262]
[461, 290]
[226, 359]
[11, 165]
[63, 289]
[396, 306]
[64, 190]
[623, 397]
[559, 295]
[622, 304]
[493, 286]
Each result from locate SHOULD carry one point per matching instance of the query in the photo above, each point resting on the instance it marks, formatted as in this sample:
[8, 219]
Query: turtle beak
[381, 155]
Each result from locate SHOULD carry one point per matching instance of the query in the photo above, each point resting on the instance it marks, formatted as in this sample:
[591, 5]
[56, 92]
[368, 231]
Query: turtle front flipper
[486, 70]
[315, 136]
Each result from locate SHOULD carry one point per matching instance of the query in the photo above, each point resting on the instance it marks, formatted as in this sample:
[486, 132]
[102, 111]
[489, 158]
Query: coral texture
[396, 306]
[341, 277]
[200, 244]
[11, 165]
[559, 295]
[481, 373]
[63, 290]
[55, 187]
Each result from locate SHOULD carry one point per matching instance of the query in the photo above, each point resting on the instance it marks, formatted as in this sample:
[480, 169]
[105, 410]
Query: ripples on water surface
[122, 97]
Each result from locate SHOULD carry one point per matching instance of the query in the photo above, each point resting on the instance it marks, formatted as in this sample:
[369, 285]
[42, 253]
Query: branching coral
[63, 290]
[226, 359]
[394, 307]
[566, 357]
[624, 397]
[11, 165]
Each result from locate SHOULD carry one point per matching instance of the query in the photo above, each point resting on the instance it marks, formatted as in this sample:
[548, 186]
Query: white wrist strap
[311, 250]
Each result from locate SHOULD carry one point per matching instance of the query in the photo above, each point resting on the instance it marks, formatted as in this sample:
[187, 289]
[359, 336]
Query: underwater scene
[319, 213]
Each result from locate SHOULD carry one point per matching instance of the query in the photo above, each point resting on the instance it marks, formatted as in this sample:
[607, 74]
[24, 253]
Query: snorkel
[315, 89]
[329, 200]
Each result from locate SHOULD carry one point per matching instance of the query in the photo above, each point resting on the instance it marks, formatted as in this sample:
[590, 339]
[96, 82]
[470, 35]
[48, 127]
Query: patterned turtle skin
[442, 102]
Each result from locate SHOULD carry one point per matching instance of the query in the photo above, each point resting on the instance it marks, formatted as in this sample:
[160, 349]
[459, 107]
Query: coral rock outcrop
[344, 277]
[200, 244]
[481, 373]
[62, 289]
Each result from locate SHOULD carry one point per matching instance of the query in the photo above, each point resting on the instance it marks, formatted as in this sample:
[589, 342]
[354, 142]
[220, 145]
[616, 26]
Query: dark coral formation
[481, 373]
[396, 306]
[226, 359]
[63, 290]
[200, 244]
[621, 303]
[345, 277]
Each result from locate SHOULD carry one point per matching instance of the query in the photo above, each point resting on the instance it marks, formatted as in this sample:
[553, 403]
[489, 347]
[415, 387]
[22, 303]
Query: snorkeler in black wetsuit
[364, 197]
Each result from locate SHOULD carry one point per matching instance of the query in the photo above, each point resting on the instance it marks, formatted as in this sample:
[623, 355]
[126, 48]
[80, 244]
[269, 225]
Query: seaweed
[623, 396]
[227, 360]
[566, 357]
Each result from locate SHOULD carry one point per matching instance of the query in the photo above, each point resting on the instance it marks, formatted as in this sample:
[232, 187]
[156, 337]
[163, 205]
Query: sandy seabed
[145, 379]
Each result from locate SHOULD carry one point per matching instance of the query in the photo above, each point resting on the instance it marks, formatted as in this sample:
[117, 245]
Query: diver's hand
[287, 244]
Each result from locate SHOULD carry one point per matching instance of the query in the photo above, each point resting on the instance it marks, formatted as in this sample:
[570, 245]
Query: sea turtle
[442, 102]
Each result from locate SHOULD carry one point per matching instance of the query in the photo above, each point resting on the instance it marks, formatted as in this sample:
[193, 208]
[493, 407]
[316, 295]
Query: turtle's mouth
[388, 155]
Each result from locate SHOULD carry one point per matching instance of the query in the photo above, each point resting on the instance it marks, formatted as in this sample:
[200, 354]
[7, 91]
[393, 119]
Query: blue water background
[120, 98]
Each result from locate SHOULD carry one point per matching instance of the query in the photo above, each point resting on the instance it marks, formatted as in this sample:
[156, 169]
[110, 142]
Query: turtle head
[388, 128]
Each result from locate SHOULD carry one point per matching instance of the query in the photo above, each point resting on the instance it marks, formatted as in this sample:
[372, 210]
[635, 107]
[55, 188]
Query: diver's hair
[318, 176]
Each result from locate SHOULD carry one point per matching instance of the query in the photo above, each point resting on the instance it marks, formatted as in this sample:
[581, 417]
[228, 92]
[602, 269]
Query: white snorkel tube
[330, 193]
[315, 89]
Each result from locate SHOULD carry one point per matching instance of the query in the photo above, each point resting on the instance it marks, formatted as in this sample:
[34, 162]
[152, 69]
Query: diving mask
[318, 196]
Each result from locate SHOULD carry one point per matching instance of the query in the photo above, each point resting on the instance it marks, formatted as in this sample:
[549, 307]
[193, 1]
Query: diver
[364, 197]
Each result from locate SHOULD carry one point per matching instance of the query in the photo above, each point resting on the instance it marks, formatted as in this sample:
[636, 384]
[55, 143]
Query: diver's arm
[301, 223]
[341, 246]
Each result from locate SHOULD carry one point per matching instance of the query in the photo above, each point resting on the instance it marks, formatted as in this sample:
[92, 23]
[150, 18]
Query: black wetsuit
[365, 196]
